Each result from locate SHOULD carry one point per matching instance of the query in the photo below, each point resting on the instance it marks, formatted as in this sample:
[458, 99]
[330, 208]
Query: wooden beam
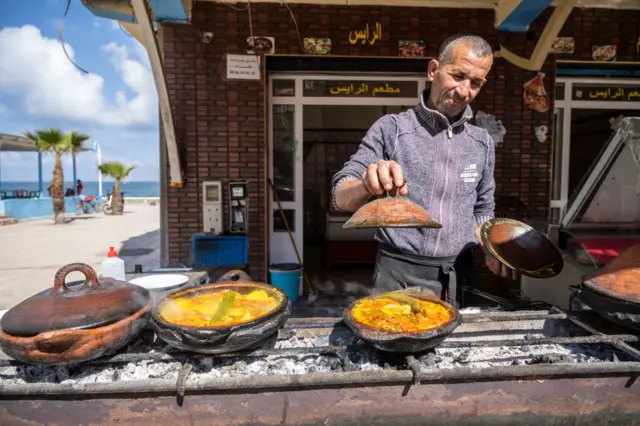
[134, 30]
[141, 11]
[549, 34]
[504, 9]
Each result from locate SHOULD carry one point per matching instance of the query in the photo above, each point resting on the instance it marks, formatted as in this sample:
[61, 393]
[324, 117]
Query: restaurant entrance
[584, 108]
[316, 123]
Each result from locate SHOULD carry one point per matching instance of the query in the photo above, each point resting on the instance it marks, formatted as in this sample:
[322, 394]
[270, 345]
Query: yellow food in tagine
[224, 308]
[391, 313]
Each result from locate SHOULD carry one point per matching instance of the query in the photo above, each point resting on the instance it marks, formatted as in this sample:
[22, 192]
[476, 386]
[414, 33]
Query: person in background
[80, 187]
[432, 155]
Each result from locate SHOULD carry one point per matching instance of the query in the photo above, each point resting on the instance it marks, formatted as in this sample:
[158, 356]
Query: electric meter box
[239, 207]
[212, 207]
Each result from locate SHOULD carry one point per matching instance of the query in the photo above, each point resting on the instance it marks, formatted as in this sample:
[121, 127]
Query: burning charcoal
[526, 348]
[336, 364]
[206, 363]
[463, 358]
[550, 359]
[518, 362]
[320, 341]
[529, 336]
[429, 359]
[257, 367]
[62, 374]
[116, 375]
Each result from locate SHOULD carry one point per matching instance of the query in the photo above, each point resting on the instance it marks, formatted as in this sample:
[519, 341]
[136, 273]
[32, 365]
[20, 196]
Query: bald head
[477, 46]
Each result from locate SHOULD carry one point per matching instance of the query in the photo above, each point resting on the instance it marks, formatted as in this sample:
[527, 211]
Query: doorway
[316, 123]
[338, 261]
[583, 108]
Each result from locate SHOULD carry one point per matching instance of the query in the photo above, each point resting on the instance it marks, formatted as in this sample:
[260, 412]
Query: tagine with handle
[74, 322]
[391, 211]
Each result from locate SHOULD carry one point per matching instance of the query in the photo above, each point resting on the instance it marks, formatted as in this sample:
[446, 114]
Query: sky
[115, 103]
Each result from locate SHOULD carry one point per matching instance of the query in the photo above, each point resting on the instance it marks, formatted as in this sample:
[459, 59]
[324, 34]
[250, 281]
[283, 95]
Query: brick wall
[220, 124]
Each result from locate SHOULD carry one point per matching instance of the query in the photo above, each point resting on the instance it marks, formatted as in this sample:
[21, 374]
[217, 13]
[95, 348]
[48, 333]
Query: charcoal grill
[493, 369]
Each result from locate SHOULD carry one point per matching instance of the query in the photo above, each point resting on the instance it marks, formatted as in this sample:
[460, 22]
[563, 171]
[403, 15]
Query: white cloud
[35, 69]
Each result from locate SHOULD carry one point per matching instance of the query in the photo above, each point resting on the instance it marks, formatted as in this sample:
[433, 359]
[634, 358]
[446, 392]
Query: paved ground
[31, 252]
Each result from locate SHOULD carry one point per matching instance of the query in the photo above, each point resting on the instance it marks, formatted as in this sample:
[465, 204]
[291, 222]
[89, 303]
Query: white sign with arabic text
[243, 67]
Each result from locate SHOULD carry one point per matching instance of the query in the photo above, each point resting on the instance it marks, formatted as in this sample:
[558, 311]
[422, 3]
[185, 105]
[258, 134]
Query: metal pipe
[282, 382]
[552, 371]
[193, 383]
[612, 338]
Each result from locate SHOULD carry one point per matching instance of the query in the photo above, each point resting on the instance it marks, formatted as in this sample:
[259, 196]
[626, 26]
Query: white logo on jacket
[470, 173]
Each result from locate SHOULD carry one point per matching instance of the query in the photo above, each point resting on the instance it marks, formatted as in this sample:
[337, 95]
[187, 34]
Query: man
[80, 187]
[432, 155]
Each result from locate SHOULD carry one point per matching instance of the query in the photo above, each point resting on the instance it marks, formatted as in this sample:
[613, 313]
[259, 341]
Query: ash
[485, 357]
[343, 352]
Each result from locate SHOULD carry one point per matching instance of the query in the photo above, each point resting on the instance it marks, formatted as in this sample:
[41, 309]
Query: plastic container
[286, 276]
[216, 250]
[113, 266]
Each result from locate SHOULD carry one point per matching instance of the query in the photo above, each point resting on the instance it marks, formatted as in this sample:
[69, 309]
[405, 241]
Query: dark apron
[445, 276]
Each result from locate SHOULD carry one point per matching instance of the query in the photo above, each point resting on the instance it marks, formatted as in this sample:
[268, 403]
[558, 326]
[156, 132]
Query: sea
[129, 189]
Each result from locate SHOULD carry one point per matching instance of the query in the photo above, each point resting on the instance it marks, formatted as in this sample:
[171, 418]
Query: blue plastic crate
[213, 250]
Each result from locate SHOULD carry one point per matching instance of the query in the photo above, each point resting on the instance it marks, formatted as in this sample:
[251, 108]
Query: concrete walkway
[31, 252]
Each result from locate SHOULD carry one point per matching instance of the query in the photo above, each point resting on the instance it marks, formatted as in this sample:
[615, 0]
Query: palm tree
[119, 172]
[53, 140]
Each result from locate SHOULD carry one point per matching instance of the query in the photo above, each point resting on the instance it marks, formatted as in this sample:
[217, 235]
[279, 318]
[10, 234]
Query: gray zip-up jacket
[449, 169]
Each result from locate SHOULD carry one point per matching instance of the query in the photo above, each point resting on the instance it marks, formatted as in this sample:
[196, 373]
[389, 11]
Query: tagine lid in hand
[89, 304]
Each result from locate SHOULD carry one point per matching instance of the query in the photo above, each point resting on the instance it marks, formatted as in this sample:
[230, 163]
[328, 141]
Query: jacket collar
[437, 120]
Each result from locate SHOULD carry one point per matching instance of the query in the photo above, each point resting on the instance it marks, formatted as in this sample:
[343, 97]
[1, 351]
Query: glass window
[278, 223]
[284, 87]
[284, 152]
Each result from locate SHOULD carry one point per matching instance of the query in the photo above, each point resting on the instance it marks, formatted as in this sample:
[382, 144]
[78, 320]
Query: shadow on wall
[141, 250]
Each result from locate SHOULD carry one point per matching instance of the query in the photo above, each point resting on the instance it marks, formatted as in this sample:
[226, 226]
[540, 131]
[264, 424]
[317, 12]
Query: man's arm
[349, 193]
[484, 208]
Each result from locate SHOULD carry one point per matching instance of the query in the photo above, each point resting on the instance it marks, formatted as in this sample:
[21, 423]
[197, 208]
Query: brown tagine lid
[391, 212]
[620, 278]
[521, 248]
[90, 304]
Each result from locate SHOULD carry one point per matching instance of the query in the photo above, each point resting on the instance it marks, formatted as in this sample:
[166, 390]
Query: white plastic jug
[113, 266]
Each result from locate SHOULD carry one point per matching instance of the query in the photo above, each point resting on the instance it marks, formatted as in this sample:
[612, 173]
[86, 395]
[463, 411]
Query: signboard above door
[615, 93]
[360, 88]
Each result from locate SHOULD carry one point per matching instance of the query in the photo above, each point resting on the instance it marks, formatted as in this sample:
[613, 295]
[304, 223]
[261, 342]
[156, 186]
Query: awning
[12, 143]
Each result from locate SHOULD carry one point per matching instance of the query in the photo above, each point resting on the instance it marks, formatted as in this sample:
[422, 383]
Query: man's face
[456, 84]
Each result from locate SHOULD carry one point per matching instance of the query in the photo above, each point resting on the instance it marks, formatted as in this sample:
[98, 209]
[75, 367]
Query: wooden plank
[141, 11]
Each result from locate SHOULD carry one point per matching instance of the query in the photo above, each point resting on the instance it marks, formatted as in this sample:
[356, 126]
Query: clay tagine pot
[226, 338]
[73, 323]
[521, 248]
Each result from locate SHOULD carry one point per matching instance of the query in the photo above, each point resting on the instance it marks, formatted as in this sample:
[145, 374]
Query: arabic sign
[366, 35]
[606, 93]
[360, 88]
[243, 67]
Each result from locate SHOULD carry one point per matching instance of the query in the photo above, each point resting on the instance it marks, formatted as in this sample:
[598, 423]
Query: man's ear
[434, 65]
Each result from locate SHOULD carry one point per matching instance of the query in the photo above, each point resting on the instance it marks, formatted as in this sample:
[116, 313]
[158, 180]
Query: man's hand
[494, 264]
[384, 176]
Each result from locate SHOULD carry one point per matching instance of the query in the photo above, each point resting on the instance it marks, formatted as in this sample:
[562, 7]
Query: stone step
[4, 220]
[3, 216]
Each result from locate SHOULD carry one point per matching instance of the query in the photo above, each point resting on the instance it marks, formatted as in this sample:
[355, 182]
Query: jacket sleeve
[374, 147]
[484, 208]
